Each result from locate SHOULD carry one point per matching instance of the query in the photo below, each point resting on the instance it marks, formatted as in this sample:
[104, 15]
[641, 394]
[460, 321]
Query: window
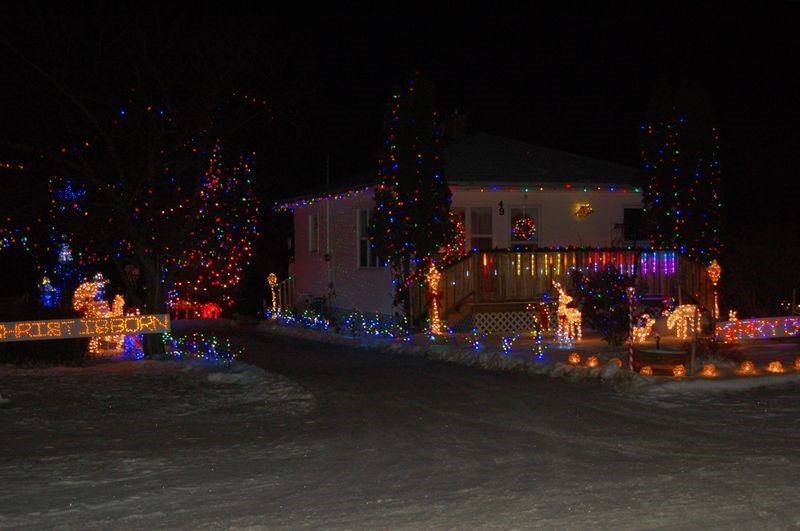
[366, 254]
[313, 233]
[634, 226]
[524, 226]
[480, 228]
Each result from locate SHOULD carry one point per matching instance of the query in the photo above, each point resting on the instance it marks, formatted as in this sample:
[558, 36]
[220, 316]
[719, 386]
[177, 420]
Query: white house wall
[361, 288]
[558, 224]
[370, 290]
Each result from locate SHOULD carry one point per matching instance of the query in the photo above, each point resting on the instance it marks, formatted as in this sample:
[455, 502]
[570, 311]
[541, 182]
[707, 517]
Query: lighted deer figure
[683, 317]
[644, 328]
[569, 319]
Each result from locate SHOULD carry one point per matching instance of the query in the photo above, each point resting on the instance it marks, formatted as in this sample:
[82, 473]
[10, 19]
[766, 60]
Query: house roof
[485, 160]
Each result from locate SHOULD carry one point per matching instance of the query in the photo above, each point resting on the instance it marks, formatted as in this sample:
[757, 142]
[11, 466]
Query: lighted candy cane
[631, 294]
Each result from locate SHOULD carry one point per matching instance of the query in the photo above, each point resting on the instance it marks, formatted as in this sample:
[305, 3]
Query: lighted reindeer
[643, 328]
[569, 318]
[682, 317]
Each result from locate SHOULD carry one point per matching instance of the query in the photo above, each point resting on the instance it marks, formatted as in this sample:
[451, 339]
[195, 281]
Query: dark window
[635, 229]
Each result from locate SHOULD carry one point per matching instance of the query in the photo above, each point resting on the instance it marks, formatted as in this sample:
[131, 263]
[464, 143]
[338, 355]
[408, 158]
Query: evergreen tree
[680, 155]
[411, 221]
[604, 304]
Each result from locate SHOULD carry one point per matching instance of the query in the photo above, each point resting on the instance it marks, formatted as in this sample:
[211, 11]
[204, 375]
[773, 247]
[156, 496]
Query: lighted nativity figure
[49, 293]
[88, 300]
[569, 317]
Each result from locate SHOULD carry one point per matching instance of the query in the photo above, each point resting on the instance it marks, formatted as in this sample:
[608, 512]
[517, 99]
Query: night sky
[572, 79]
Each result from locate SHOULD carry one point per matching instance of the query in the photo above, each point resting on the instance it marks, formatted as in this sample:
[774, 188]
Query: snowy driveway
[338, 438]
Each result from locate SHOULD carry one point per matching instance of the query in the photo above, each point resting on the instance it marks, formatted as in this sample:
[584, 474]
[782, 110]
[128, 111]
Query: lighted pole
[433, 277]
[714, 270]
[272, 279]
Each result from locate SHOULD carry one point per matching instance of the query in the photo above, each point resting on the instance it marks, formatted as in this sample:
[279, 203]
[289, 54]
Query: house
[531, 216]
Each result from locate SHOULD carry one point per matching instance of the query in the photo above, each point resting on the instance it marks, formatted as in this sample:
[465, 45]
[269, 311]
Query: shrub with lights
[605, 306]
[201, 347]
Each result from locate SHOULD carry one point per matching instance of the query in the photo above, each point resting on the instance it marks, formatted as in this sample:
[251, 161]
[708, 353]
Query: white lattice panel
[490, 322]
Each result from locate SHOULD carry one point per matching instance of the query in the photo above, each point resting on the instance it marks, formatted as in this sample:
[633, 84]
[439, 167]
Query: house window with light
[480, 228]
[524, 226]
[366, 254]
[313, 233]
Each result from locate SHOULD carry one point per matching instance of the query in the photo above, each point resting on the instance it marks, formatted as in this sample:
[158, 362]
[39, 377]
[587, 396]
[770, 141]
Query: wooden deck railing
[506, 276]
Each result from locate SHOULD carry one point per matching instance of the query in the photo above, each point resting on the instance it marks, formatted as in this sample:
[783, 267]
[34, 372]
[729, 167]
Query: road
[511, 451]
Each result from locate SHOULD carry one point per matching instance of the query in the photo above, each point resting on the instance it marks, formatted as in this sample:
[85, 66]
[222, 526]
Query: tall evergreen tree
[410, 222]
[681, 156]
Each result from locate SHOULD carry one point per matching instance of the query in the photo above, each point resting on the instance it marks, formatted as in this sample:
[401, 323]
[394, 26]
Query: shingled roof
[484, 158]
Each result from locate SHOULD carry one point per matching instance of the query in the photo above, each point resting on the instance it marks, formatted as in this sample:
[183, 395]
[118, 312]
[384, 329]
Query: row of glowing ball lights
[746, 367]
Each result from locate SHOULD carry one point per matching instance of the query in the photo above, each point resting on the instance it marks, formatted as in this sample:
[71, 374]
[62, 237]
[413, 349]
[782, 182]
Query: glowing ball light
[679, 371]
[574, 358]
[709, 369]
[616, 361]
[747, 367]
[797, 362]
[775, 366]
[647, 369]
[592, 361]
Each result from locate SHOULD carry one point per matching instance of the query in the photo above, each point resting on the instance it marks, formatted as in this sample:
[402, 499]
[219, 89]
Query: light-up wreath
[524, 228]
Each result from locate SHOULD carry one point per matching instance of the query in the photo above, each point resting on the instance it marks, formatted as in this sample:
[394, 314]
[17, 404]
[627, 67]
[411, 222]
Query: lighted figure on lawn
[684, 319]
[569, 317]
[49, 293]
[210, 310]
[643, 328]
[434, 299]
[272, 280]
[88, 300]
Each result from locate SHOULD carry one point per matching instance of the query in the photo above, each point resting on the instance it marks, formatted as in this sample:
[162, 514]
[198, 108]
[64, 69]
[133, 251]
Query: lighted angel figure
[569, 318]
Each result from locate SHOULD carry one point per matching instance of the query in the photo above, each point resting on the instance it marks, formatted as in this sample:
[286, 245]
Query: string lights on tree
[411, 220]
[680, 153]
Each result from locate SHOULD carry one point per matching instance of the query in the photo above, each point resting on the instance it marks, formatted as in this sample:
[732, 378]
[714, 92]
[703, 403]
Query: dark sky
[575, 79]
[578, 81]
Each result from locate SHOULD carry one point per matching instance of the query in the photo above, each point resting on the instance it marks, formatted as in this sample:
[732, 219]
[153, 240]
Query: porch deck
[510, 280]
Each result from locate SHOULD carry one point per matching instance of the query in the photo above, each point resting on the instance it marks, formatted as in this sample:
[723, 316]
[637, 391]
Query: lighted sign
[66, 328]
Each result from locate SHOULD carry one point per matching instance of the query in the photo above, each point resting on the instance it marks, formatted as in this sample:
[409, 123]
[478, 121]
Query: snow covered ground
[386, 439]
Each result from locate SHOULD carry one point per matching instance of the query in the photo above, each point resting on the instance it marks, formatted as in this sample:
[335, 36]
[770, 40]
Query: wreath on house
[524, 228]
